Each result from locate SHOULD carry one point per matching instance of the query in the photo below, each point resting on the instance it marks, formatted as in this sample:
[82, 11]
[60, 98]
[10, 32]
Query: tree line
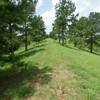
[19, 25]
[83, 32]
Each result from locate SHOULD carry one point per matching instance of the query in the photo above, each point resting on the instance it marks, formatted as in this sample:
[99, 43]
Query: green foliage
[84, 31]
[51, 71]
[64, 13]
[37, 29]
[12, 16]
[8, 22]
[78, 31]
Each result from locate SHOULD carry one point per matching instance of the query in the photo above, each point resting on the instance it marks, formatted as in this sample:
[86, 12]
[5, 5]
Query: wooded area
[83, 32]
[61, 65]
[19, 25]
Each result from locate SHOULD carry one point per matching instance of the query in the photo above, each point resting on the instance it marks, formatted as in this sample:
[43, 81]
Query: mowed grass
[49, 71]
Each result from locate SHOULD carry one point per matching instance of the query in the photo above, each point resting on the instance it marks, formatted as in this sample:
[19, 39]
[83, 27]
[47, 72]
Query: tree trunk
[91, 43]
[26, 41]
[26, 38]
[11, 42]
[62, 38]
[59, 37]
[75, 43]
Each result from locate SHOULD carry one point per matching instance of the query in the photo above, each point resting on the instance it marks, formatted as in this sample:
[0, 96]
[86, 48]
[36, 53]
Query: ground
[49, 71]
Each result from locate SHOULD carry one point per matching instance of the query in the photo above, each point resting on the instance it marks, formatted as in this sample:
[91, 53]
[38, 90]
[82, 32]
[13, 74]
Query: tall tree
[38, 29]
[77, 30]
[64, 11]
[12, 15]
[93, 28]
[28, 11]
[9, 20]
[85, 30]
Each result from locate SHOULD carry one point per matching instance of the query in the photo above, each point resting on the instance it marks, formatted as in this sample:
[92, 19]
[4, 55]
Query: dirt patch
[34, 98]
[62, 74]
[63, 85]
[58, 92]
[35, 82]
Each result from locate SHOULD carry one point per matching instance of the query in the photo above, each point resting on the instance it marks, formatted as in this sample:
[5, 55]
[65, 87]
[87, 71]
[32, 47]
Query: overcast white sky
[46, 8]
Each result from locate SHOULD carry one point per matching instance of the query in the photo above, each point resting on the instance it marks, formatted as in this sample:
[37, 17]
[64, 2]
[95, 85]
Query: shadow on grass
[82, 49]
[4, 60]
[95, 53]
[70, 47]
[29, 53]
[98, 54]
[36, 46]
[21, 55]
[21, 79]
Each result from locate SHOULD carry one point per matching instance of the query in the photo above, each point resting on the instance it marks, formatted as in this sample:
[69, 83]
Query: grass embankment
[51, 72]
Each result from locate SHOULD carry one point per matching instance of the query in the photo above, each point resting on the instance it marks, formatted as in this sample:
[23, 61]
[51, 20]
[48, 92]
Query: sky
[46, 9]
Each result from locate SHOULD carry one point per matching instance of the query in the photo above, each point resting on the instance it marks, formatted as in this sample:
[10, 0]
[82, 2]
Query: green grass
[51, 72]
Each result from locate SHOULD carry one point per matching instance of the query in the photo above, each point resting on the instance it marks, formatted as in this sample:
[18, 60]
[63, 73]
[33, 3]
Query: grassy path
[54, 73]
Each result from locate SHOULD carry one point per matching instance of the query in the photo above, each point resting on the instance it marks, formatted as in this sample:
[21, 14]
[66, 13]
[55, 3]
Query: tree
[28, 11]
[38, 29]
[84, 30]
[56, 31]
[93, 28]
[77, 30]
[9, 20]
[64, 11]
[13, 14]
